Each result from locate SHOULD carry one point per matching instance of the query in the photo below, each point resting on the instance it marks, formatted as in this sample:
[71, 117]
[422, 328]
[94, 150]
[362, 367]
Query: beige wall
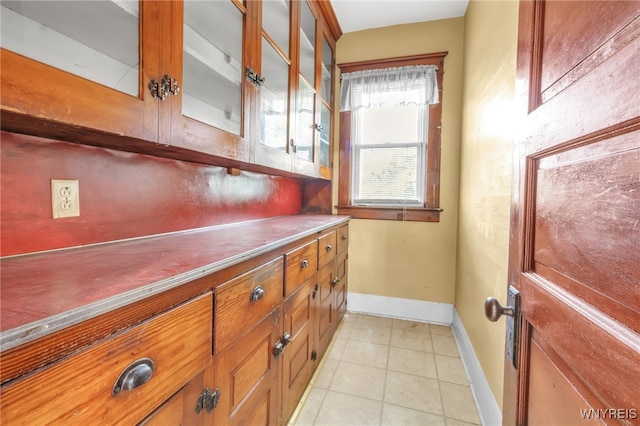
[490, 36]
[412, 260]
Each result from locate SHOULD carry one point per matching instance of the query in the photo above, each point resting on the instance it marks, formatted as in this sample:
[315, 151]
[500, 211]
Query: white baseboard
[488, 408]
[394, 307]
[438, 313]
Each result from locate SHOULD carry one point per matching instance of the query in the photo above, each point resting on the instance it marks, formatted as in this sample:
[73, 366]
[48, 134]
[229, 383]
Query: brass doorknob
[493, 310]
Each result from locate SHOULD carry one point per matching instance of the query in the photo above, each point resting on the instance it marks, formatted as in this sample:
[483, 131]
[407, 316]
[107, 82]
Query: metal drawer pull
[135, 375]
[335, 281]
[329, 247]
[344, 238]
[304, 263]
[257, 294]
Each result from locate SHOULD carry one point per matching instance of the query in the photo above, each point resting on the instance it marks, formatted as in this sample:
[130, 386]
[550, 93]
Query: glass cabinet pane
[305, 128]
[97, 40]
[274, 98]
[212, 64]
[275, 22]
[327, 71]
[325, 135]
[307, 43]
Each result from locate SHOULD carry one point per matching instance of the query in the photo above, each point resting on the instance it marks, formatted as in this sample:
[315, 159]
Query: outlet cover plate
[65, 198]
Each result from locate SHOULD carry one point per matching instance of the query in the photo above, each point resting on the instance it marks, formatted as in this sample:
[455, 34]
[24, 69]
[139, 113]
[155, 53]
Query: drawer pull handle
[304, 263]
[257, 294]
[135, 375]
[344, 238]
[329, 247]
[335, 281]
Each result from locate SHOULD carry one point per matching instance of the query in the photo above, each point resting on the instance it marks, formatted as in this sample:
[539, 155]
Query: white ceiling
[356, 15]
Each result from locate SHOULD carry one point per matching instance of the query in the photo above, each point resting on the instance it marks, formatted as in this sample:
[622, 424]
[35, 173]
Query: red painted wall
[123, 195]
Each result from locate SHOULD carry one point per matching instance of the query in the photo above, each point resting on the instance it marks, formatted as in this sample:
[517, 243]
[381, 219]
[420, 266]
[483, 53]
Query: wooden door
[575, 224]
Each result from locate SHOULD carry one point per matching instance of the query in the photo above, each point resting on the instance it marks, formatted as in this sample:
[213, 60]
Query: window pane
[389, 174]
[399, 124]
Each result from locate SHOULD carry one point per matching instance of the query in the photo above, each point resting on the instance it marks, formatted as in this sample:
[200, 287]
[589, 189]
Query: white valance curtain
[415, 84]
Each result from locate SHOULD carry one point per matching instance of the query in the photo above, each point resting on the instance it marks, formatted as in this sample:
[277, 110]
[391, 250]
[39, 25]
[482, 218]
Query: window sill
[392, 213]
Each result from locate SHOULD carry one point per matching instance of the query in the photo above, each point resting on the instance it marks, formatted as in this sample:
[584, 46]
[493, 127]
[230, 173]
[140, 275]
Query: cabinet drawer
[343, 239]
[242, 302]
[301, 263]
[81, 389]
[326, 248]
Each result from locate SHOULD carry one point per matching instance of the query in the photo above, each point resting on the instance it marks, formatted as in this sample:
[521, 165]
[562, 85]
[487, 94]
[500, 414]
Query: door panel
[575, 223]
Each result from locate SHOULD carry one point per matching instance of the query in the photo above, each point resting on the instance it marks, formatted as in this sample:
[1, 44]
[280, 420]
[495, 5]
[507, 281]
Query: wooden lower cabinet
[242, 354]
[340, 288]
[300, 354]
[248, 376]
[84, 388]
[189, 405]
[325, 307]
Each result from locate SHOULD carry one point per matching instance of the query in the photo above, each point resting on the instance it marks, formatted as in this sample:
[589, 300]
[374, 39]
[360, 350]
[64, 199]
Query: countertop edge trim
[26, 333]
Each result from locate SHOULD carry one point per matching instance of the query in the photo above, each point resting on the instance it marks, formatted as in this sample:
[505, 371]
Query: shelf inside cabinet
[94, 40]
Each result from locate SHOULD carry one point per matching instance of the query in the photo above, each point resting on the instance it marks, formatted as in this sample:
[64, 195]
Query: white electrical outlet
[65, 198]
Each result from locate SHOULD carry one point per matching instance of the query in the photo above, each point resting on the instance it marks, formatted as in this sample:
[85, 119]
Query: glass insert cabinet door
[97, 40]
[305, 114]
[325, 103]
[212, 64]
[275, 64]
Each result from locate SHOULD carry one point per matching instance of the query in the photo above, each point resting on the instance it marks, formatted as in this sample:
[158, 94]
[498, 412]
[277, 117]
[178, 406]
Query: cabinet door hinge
[208, 400]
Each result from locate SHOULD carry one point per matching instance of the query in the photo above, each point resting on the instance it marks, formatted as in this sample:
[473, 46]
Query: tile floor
[383, 371]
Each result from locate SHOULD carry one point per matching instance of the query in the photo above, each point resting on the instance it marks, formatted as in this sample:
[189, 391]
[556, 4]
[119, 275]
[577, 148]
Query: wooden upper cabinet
[84, 64]
[200, 80]
[210, 115]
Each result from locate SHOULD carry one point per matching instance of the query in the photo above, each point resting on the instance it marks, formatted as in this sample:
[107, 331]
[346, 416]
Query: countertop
[46, 292]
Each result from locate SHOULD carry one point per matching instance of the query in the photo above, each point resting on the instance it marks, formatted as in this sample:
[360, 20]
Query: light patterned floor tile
[392, 415]
[340, 409]
[359, 380]
[459, 403]
[374, 320]
[411, 325]
[450, 369]
[445, 345]
[419, 393]
[309, 411]
[440, 330]
[411, 339]
[365, 353]
[337, 348]
[413, 362]
[326, 375]
[371, 333]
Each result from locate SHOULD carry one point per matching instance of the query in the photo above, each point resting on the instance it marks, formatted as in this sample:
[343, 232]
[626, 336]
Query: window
[390, 138]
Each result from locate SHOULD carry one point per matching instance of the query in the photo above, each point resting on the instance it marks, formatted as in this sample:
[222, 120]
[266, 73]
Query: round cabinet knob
[335, 281]
[493, 310]
[304, 263]
[135, 375]
[257, 294]
[329, 247]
